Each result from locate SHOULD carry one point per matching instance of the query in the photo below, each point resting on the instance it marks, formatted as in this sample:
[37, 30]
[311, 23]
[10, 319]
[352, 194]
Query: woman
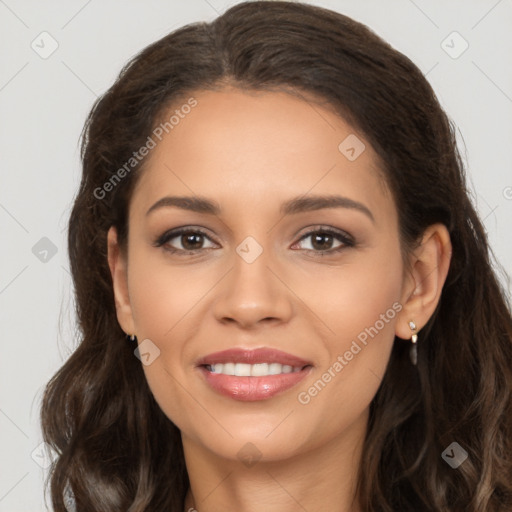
[285, 296]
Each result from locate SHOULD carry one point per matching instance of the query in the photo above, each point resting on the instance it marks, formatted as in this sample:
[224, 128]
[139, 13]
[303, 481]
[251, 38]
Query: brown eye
[185, 241]
[322, 241]
[191, 241]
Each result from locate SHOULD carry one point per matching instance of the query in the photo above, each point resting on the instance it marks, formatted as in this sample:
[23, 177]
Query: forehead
[265, 146]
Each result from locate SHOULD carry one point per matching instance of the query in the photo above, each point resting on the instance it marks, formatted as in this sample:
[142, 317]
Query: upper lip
[253, 356]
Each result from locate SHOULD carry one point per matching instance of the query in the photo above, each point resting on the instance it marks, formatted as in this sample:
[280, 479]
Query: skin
[250, 152]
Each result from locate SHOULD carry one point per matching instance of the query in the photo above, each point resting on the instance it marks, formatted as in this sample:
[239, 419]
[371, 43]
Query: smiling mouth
[252, 374]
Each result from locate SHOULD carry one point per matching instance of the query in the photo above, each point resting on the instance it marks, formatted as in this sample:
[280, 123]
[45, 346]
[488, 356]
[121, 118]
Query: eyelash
[346, 240]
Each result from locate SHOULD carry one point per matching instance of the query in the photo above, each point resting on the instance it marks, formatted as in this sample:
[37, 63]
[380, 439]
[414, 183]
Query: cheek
[360, 307]
[166, 302]
[351, 297]
[162, 295]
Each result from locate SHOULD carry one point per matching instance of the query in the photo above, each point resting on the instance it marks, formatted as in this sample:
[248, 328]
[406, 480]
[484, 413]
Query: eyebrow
[290, 207]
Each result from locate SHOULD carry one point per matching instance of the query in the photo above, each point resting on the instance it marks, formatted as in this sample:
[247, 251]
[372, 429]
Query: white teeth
[259, 370]
[242, 370]
[274, 368]
[253, 370]
[229, 368]
[217, 368]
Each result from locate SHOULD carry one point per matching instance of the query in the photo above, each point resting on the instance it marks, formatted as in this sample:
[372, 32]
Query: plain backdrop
[58, 56]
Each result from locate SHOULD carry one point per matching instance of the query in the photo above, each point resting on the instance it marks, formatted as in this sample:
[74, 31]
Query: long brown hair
[117, 451]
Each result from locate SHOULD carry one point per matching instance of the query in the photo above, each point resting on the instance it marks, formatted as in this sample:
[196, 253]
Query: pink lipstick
[251, 375]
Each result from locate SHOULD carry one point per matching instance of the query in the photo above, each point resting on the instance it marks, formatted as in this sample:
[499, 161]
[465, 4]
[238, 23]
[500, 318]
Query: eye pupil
[190, 238]
[317, 241]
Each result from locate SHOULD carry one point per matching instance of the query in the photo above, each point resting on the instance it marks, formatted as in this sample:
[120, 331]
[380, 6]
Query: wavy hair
[116, 450]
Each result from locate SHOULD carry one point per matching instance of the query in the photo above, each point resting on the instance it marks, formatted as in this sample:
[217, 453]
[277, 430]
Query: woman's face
[252, 274]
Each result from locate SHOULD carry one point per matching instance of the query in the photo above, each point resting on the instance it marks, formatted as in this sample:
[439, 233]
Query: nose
[252, 294]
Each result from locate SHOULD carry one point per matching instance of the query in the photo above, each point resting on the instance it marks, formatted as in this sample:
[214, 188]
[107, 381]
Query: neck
[323, 478]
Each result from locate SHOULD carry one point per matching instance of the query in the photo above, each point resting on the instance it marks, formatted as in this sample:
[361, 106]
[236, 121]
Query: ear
[423, 283]
[119, 271]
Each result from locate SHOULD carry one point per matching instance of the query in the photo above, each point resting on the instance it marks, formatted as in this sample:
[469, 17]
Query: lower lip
[250, 389]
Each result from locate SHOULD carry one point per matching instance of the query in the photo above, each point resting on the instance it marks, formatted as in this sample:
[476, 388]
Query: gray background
[43, 104]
